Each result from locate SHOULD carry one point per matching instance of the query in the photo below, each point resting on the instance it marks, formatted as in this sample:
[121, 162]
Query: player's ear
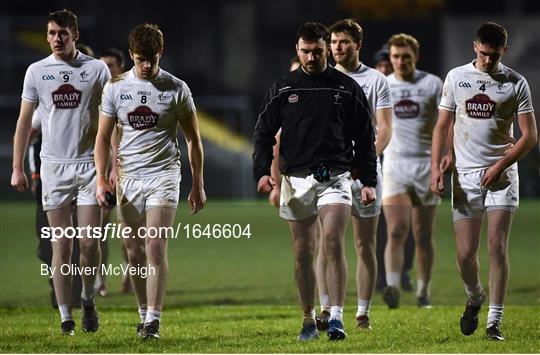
[131, 55]
[360, 43]
[76, 36]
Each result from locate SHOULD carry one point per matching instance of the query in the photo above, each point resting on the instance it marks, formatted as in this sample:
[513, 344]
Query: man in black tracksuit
[326, 135]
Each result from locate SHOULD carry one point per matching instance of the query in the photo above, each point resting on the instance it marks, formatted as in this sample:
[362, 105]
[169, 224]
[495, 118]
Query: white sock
[474, 293]
[495, 314]
[142, 312]
[393, 278]
[88, 292]
[152, 315]
[309, 317]
[336, 312]
[325, 303]
[65, 312]
[423, 288]
[363, 307]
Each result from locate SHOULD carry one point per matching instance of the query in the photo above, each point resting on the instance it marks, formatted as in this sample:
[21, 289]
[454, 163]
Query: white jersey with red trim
[375, 87]
[68, 96]
[148, 113]
[485, 105]
[414, 115]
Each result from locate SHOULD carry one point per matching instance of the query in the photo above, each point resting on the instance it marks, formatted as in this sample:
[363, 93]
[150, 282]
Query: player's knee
[156, 253]
[88, 246]
[397, 233]
[136, 254]
[64, 254]
[466, 257]
[333, 246]
[62, 249]
[365, 246]
[305, 256]
[497, 250]
[424, 243]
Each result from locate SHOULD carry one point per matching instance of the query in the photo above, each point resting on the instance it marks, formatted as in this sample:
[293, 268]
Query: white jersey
[148, 113]
[68, 96]
[485, 106]
[414, 115]
[375, 87]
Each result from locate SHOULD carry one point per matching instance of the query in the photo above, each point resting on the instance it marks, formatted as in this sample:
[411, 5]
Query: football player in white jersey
[147, 104]
[67, 85]
[345, 43]
[407, 198]
[484, 97]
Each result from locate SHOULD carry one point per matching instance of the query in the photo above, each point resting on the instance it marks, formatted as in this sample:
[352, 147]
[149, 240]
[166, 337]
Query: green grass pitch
[238, 295]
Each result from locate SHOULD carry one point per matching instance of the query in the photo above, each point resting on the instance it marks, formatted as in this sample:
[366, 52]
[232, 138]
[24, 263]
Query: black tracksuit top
[324, 118]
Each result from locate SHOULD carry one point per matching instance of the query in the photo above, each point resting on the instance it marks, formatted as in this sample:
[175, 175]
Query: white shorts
[470, 200]
[409, 176]
[64, 183]
[302, 195]
[374, 208]
[136, 196]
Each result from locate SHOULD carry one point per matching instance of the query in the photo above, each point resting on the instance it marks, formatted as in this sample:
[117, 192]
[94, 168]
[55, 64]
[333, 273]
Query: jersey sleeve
[108, 104]
[438, 89]
[268, 124]
[365, 158]
[186, 105]
[448, 100]
[104, 75]
[383, 94]
[30, 92]
[524, 98]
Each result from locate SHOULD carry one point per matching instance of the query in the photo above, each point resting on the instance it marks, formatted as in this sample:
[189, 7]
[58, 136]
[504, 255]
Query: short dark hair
[146, 39]
[85, 49]
[349, 26]
[64, 18]
[312, 31]
[404, 40]
[492, 34]
[116, 54]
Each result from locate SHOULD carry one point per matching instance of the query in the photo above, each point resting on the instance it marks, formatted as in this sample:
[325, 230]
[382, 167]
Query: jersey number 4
[482, 88]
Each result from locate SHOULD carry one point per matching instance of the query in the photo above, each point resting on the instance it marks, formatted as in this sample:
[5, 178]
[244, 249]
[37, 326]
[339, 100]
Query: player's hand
[196, 199]
[19, 180]
[446, 163]
[266, 184]
[274, 196]
[437, 182]
[492, 175]
[495, 172]
[102, 187]
[368, 194]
